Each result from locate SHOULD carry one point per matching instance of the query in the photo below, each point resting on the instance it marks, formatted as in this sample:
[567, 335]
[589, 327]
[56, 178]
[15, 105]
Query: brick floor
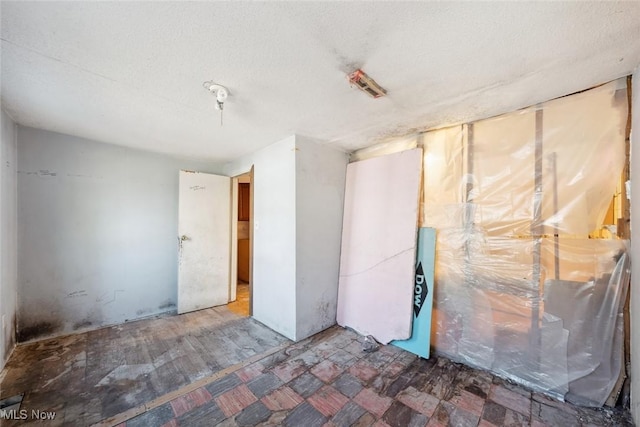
[325, 382]
[282, 399]
[510, 399]
[363, 370]
[348, 385]
[419, 401]
[326, 370]
[306, 384]
[289, 370]
[400, 415]
[264, 384]
[190, 401]
[328, 400]
[235, 400]
[373, 402]
[250, 372]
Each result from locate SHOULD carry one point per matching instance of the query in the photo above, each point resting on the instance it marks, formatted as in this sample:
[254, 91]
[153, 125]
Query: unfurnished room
[319, 213]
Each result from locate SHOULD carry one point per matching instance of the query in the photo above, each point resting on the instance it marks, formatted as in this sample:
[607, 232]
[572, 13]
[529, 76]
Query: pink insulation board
[375, 293]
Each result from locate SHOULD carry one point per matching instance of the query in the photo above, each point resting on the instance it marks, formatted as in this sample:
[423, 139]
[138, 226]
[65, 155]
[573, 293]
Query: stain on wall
[97, 227]
[77, 294]
[83, 324]
[167, 305]
[38, 329]
[11, 338]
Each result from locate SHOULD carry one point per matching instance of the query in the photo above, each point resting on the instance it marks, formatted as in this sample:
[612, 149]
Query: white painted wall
[8, 236]
[274, 234]
[635, 248]
[297, 214]
[320, 184]
[97, 233]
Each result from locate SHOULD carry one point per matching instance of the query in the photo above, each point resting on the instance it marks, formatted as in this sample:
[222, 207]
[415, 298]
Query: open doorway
[241, 254]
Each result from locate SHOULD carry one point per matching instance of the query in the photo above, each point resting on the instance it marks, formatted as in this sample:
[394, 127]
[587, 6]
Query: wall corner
[320, 183]
[635, 249]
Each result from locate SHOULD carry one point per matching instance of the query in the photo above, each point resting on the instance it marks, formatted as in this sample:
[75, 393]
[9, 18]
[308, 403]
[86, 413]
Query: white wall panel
[379, 244]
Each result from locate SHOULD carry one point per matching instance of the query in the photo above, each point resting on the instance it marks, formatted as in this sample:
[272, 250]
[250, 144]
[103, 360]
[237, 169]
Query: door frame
[233, 285]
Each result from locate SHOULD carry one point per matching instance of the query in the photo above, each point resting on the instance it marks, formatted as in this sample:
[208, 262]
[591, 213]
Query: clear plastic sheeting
[394, 146]
[442, 168]
[485, 312]
[590, 310]
[503, 157]
[521, 289]
[583, 157]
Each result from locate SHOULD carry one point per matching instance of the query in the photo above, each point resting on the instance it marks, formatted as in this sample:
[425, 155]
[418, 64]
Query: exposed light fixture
[365, 83]
[221, 93]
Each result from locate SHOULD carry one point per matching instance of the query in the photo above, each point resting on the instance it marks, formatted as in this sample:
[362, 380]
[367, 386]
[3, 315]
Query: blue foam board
[420, 340]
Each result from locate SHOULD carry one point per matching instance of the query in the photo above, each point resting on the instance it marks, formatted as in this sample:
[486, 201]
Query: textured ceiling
[131, 73]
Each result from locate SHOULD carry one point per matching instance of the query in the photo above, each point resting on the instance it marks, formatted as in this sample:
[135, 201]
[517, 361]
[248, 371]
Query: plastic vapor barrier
[521, 286]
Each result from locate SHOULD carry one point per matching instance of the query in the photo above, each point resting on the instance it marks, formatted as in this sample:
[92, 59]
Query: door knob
[184, 237]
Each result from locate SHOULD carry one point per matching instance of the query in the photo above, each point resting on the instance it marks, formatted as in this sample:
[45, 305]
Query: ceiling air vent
[366, 84]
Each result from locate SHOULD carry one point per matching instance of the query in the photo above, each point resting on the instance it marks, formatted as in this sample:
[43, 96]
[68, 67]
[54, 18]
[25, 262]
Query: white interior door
[204, 228]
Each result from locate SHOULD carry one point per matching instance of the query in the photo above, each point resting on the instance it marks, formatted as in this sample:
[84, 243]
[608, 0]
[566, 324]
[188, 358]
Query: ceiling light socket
[221, 93]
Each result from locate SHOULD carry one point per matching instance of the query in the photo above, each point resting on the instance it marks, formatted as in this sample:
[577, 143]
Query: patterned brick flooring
[119, 370]
[328, 381]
